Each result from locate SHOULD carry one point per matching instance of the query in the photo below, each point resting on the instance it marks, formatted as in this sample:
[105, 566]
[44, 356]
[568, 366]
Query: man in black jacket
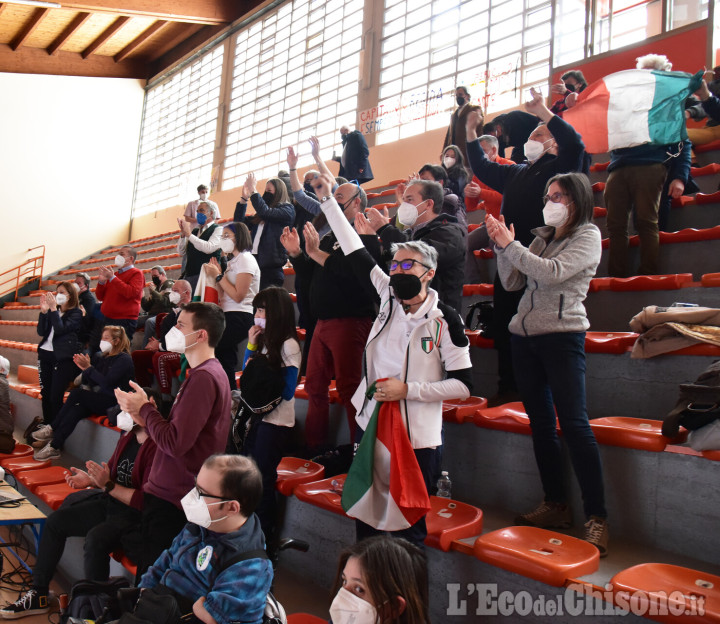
[421, 213]
[354, 163]
[559, 149]
[345, 313]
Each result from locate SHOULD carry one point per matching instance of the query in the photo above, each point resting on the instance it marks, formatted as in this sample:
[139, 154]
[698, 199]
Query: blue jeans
[550, 368]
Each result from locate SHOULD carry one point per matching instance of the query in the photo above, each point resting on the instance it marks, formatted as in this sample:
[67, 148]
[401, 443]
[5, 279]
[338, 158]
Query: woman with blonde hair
[59, 323]
[110, 368]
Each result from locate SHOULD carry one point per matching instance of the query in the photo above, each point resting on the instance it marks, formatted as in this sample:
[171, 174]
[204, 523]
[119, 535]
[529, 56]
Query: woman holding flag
[417, 355]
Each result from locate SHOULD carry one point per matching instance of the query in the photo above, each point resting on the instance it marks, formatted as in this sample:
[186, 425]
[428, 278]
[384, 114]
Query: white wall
[68, 147]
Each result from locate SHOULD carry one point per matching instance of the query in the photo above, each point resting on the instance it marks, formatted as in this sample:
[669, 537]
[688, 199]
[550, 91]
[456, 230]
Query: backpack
[94, 600]
[480, 316]
[698, 404]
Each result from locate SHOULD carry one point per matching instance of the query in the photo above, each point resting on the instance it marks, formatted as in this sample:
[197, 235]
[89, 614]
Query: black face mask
[268, 197]
[405, 286]
[570, 88]
[460, 99]
[156, 281]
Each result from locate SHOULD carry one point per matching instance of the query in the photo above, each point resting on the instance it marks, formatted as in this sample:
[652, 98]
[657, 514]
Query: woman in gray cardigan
[548, 347]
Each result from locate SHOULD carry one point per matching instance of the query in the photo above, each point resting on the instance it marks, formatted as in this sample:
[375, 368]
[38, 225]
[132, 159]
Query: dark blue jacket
[271, 254]
[356, 153]
[109, 372]
[67, 327]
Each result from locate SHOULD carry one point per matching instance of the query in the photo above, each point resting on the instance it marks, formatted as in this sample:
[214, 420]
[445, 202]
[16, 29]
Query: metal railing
[17, 277]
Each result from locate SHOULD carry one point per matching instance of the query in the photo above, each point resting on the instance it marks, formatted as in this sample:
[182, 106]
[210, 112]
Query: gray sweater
[556, 276]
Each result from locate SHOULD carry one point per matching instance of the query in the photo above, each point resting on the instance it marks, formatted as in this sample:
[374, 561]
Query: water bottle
[443, 485]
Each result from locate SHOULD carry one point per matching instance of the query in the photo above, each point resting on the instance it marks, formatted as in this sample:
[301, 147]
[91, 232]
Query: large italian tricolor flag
[384, 487]
[205, 289]
[633, 107]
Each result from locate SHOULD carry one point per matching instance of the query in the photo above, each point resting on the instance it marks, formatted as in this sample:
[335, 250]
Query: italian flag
[384, 486]
[633, 107]
[205, 290]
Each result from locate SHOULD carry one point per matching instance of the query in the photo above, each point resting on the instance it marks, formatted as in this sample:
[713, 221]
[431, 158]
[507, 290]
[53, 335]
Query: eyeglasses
[406, 265]
[205, 495]
[555, 197]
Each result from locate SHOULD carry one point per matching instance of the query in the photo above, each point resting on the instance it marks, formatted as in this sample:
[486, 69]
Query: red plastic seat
[20, 450]
[31, 479]
[609, 342]
[599, 166]
[710, 169]
[485, 254]
[599, 212]
[635, 433]
[301, 333]
[323, 494]
[288, 270]
[293, 471]
[676, 592]
[53, 495]
[692, 235]
[450, 520]
[549, 557]
[305, 618]
[509, 417]
[710, 280]
[300, 392]
[707, 198]
[486, 290]
[711, 455]
[650, 282]
[123, 560]
[462, 410]
[16, 464]
[708, 147]
[598, 187]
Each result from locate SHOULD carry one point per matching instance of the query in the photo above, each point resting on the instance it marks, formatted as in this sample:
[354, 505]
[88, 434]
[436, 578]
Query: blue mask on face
[201, 218]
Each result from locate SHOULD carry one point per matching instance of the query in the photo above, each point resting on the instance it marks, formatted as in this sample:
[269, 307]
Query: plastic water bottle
[443, 485]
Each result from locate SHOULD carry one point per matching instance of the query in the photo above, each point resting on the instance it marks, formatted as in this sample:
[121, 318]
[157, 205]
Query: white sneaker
[48, 452]
[44, 433]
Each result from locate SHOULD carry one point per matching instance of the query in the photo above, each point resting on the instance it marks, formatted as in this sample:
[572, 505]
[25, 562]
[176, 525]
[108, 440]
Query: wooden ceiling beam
[200, 11]
[37, 61]
[2, 7]
[106, 34]
[140, 39]
[72, 27]
[181, 32]
[38, 16]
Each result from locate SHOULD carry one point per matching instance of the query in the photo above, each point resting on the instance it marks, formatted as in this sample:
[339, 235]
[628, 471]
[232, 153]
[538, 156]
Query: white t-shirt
[244, 262]
[284, 413]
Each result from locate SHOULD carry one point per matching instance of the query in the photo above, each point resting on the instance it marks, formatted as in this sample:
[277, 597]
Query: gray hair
[489, 138]
[428, 254]
[4, 366]
[213, 208]
[85, 277]
[654, 61]
[159, 269]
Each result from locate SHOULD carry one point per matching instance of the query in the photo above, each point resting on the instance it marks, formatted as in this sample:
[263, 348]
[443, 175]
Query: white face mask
[61, 299]
[196, 509]
[105, 346]
[534, 149]
[260, 322]
[174, 297]
[408, 214]
[203, 195]
[347, 608]
[448, 161]
[175, 341]
[227, 245]
[119, 261]
[125, 421]
[555, 214]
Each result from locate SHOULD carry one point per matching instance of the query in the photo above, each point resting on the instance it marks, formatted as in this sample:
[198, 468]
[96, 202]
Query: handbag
[698, 404]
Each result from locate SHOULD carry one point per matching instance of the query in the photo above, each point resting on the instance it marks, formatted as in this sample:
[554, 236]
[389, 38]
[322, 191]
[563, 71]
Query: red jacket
[121, 296]
[491, 200]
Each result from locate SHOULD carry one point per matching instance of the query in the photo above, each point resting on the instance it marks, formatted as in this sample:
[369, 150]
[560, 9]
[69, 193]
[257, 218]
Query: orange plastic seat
[549, 557]
[485, 254]
[293, 471]
[31, 479]
[609, 342]
[53, 495]
[710, 280]
[598, 187]
[486, 290]
[288, 270]
[676, 592]
[635, 433]
[509, 417]
[692, 235]
[708, 147]
[323, 494]
[305, 618]
[450, 520]
[17, 464]
[710, 169]
[20, 450]
[300, 392]
[599, 212]
[123, 560]
[478, 340]
[462, 410]
[707, 198]
[649, 282]
[711, 455]
[599, 166]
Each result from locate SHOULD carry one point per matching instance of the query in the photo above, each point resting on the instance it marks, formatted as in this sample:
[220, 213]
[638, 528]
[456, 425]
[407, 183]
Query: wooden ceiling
[111, 38]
